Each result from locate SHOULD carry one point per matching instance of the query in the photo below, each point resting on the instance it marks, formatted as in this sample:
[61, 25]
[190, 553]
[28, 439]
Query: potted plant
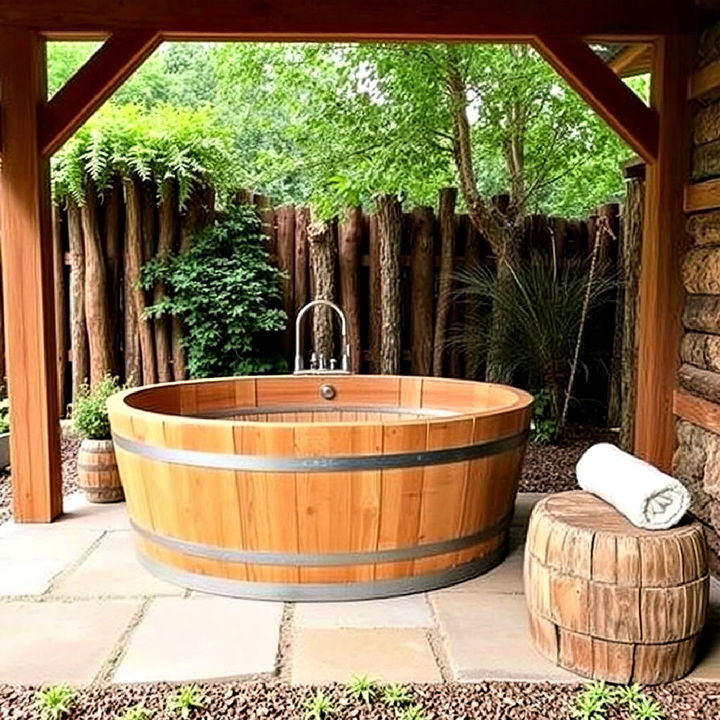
[98, 475]
[4, 432]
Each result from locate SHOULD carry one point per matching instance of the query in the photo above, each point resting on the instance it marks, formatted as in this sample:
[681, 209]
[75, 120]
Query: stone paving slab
[202, 639]
[112, 569]
[79, 513]
[408, 611]
[486, 637]
[505, 578]
[388, 655]
[32, 555]
[56, 642]
[524, 504]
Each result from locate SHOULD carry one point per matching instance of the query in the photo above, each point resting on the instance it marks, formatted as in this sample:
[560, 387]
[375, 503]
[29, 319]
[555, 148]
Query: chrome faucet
[320, 364]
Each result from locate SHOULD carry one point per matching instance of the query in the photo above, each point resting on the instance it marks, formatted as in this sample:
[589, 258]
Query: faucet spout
[345, 349]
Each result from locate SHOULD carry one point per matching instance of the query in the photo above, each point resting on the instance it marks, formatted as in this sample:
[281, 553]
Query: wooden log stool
[609, 600]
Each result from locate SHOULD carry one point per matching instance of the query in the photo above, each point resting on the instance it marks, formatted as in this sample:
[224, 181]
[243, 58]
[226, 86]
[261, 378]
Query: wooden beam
[632, 60]
[704, 81]
[346, 20]
[702, 196]
[27, 274]
[604, 91]
[664, 240]
[92, 85]
[697, 410]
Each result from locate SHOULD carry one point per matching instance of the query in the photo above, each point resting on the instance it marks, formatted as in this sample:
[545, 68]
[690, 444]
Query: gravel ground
[253, 701]
[548, 468]
[551, 468]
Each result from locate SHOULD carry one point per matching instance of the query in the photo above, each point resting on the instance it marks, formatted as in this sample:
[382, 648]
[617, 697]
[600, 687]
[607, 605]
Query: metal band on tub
[340, 463]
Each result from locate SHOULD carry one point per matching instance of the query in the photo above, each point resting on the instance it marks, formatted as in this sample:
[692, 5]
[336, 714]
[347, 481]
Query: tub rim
[522, 400]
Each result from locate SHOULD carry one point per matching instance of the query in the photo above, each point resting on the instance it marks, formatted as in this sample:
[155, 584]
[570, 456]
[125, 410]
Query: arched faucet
[322, 365]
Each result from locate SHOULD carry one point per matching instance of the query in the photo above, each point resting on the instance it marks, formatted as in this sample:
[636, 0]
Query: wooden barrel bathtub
[320, 487]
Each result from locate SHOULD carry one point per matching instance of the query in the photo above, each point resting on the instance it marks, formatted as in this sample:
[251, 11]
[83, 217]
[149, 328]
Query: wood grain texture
[702, 196]
[664, 240]
[625, 604]
[697, 410]
[27, 270]
[98, 475]
[321, 512]
[704, 81]
[624, 20]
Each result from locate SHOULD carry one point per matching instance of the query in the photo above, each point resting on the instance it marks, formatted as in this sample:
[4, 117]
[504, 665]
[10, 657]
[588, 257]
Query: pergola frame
[33, 128]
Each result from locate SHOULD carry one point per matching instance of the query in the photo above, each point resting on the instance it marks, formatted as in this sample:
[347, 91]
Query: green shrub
[89, 411]
[544, 426]
[227, 293]
[4, 415]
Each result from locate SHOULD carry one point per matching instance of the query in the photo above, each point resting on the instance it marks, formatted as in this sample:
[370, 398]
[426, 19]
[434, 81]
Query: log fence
[103, 246]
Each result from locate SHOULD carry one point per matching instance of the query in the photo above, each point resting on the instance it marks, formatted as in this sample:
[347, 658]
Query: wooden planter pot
[98, 475]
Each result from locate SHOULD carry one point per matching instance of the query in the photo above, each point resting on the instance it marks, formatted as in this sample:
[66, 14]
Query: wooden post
[59, 283]
[285, 245]
[661, 293]
[446, 216]
[78, 326]
[27, 270]
[350, 237]
[421, 290]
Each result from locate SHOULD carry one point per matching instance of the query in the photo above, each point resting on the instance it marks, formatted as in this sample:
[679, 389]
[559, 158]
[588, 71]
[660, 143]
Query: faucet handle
[313, 362]
[333, 363]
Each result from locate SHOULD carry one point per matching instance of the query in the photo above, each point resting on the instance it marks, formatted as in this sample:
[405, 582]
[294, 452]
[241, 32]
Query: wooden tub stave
[419, 496]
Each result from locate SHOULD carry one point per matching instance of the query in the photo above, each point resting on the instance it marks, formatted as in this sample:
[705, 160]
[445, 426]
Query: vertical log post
[134, 295]
[446, 214]
[322, 262]
[167, 231]
[78, 326]
[285, 246]
[375, 324]
[664, 238]
[59, 285]
[632, 244]
[96, 298]
[27, 269]
[112, 224]
[301, 279]
[390, 226]
[349, 252]
[422, 256]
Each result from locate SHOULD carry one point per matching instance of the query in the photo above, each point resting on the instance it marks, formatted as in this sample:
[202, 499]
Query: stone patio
[76, 607]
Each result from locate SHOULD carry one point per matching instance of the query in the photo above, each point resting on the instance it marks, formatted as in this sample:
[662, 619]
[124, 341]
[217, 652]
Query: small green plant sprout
[186, 700]
[629, 694]
[319, 707]
[362, 688]
[414, 712]
[646, 709]
[397, 696]
[593, 702]
[54, 702]
[136, 712]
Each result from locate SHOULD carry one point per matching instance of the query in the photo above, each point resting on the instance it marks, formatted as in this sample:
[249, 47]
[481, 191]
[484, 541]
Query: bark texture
[390, 222]
[422, 270]
[136, 323]
[632, 243]
[351, 233]
[59, 286]
[96, 299]
[702, 313]
[446, 218]
[701, 350]
[322, 262]
[704, 228]
[112, 231]
[78, 327]
[703, 383]
[701, 271]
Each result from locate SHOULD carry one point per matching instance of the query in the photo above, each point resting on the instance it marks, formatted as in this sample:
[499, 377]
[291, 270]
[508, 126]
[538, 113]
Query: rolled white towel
[647, 497]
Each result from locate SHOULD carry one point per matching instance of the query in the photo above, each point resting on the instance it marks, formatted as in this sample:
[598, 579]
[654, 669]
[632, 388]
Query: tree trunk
[390, 224]
[285, 248]
[375, 321]
[191, 221]
[422, 256]
[349, 264]
[446, 216]
[134, 293]
[114, 256]
[97, 310]
[59, 284]
[473, 319]
[78, 331]
[166, 241]
[632, 236]
[322, 263]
